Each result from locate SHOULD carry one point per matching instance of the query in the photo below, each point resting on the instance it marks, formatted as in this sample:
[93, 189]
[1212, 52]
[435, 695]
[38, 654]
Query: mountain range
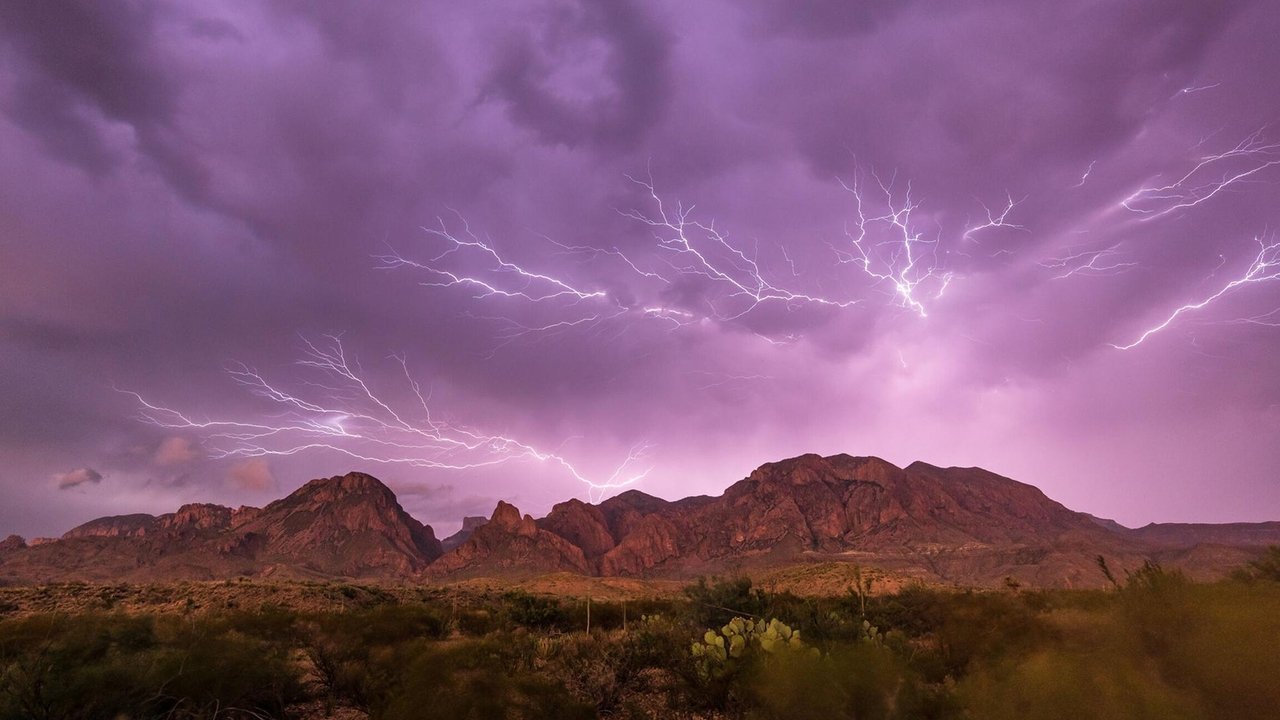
[954, 526]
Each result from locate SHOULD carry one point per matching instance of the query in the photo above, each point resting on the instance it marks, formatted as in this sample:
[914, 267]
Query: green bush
[471, 679]
[534, 612]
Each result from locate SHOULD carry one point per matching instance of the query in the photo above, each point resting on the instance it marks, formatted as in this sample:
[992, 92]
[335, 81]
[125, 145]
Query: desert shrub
[713, 603]
[205, 673]
[605, 668]
[1266, 567]
[476, 621]
[472, 679]
[353, 652]
[534, 612]
[271, 623]
[1057, 683]
[1226, 653]
[598, 670]
[1158, 605]
[914, 610]
[862, 681]
[605, 615]
[101, 666]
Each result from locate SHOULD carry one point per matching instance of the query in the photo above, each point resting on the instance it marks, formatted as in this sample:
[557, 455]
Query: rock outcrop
[961, 526]
[344, 526]
[469, 525]
[137, 525]
[510, 544]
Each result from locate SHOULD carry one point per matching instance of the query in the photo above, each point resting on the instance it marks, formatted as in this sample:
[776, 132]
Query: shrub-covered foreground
[1156, 646]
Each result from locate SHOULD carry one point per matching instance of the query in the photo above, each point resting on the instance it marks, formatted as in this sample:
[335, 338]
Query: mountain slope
[961, 526]
[510, 545]
[349, 525]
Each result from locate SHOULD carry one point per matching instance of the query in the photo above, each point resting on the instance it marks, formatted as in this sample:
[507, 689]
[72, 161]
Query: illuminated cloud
[252, 474]
[190, 185]
[176, 450]
[78, 477]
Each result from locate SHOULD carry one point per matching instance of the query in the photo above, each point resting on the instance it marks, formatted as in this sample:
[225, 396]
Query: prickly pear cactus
[871, 633]
[717, 653]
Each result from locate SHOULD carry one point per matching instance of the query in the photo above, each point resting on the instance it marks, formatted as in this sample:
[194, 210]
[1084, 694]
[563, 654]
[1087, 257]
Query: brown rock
[510, 544]
[114, 526]
[196, 516]
[346, 526]
[581, 524]
[243, 514]
[953, 525]
[469, 525]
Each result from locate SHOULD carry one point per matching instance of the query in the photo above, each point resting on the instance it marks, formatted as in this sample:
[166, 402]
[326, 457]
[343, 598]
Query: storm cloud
[198, 188]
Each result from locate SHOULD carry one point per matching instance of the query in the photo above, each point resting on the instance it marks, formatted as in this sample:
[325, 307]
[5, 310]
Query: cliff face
[962, 526]
[469, 525]
[350, 526]
[345, 525]
[510, 544]
[815, 507]
[115, 526]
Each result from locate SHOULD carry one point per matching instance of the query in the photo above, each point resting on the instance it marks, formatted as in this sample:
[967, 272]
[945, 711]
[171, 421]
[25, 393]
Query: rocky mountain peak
[135, 525]
[341, 488]
[505, 516]
[954, 525]
[197, 516]
[511, 543]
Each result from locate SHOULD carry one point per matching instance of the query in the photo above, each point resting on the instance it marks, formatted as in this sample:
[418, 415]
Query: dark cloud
[826, 18]
[594, 73]
[188, 186]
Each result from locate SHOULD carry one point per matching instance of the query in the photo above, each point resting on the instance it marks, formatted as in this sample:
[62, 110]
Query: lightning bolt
[993, 220]
[508, 279]
[910, 263]
[695, 248]
[1085, 177]
[886, 247]
[718, 379]
[1090, 263]
[341, 412]
[1264, 268]
[1248, 158]
[1190, 89]
[1270, 319]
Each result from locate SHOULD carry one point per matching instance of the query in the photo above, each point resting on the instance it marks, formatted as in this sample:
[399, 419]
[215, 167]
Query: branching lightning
[994, 221]
[1268, 319]
[695, 248]
[1089, 263]
[508, 278]
[1264, 268]
[889, 249]
[338, 410]
[1211, 175]
[884, 244]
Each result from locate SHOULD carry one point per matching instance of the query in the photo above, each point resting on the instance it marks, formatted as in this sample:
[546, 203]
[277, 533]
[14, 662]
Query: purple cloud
[190, 187]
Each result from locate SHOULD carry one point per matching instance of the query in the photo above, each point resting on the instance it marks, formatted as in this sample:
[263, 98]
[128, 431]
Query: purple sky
[190, 187]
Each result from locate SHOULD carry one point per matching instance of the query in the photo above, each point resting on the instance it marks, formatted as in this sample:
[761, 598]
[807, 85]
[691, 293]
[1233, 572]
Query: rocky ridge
[962, 526]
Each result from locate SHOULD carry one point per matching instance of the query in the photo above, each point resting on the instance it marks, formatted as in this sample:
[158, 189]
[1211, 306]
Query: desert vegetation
[1155, 645]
